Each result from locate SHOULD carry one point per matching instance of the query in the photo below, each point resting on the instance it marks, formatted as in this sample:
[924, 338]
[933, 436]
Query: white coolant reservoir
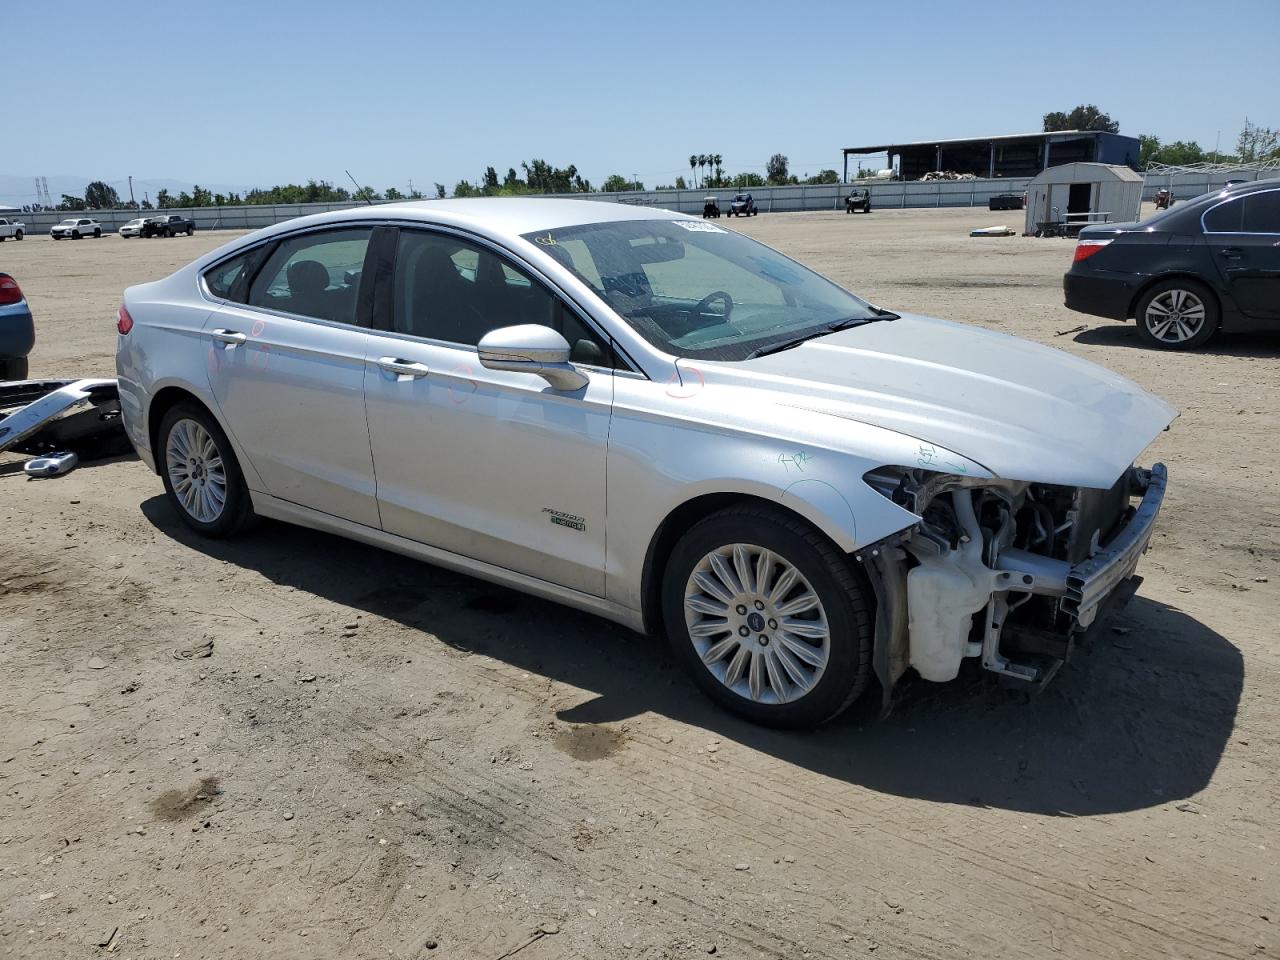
[943, 594]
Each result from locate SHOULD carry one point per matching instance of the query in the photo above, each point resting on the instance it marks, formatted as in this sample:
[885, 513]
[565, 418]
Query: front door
[492, 465]
[1244, 240]
[287, 371]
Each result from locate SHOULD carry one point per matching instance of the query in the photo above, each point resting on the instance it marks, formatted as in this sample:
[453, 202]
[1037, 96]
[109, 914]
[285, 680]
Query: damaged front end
[1011, 572]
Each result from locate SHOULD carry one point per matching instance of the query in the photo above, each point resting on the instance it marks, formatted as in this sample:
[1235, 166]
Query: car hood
[1021, 410]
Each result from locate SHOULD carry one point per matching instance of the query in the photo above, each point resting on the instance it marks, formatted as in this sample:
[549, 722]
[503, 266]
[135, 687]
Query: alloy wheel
[196, 470]
[1175, 316]
[756, 623]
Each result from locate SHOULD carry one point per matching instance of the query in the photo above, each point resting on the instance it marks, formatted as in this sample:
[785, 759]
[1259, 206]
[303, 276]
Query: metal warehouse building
[1010, 155]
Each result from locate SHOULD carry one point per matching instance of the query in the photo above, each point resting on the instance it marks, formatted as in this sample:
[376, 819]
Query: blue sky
[271, 91]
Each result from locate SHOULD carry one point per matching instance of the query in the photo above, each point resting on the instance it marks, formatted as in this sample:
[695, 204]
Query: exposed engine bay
[1011, 572]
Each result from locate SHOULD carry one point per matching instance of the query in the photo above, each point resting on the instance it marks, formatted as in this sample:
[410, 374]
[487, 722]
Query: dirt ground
[383, 759]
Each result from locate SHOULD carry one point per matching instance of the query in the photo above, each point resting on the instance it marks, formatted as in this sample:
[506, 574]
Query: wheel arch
[1132, 312]
[668, 533]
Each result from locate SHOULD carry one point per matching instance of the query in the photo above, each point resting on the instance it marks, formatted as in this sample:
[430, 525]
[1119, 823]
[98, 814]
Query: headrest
[308, 276]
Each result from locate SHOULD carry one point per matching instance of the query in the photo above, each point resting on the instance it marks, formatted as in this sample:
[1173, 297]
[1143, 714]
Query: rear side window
[1224, 218]
[1262, 212]
[315, 275]
[224, 280]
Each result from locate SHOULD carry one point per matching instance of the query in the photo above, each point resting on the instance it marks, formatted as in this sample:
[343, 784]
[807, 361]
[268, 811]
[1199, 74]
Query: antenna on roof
[359, 189]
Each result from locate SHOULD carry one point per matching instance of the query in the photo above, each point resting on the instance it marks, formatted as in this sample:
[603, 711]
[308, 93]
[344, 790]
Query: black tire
[841, 589]
[97, 234]
[13, 368]
[191, 231]
[237, 509]
[75, 234]
[1148, 326]
[17, 235]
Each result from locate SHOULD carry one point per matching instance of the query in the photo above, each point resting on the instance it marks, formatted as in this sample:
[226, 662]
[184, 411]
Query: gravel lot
[384, 759]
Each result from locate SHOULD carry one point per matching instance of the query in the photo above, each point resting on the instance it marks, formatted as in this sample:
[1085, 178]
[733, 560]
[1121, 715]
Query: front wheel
[75, 235]
[769, 617]
[1177, 314]
[18, 235]
[200, 472]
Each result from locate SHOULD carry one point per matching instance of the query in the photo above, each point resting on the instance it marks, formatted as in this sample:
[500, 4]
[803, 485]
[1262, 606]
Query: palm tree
[717, 160]
[693, 163]
[702, 162]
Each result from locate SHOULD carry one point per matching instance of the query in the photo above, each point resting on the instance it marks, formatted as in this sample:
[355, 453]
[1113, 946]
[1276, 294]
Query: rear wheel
[18, 235]
[200, 472]
[1178, 314]
[97, 234]
[769, 617]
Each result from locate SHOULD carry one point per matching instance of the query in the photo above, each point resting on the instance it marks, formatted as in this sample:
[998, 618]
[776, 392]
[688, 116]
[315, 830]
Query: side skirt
[269, 506]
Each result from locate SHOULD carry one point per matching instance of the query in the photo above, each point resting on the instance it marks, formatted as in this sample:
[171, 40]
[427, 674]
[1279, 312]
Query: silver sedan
[650, 417]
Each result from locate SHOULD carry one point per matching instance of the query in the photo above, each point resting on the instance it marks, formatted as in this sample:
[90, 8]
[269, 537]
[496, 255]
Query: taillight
[10, 292]
[124, 322]
[1087, 248]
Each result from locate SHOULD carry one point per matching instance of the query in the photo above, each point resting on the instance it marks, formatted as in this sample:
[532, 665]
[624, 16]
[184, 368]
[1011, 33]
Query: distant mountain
[19, 191]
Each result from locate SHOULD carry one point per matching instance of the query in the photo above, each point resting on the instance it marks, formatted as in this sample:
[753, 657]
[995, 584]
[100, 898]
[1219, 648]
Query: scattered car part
[1000, 231]
[42, 416]
[52, 465]
[1007, 201]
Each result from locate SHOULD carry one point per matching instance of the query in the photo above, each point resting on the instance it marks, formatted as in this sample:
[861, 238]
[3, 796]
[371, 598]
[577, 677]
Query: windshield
[68, 223]
[696, 290]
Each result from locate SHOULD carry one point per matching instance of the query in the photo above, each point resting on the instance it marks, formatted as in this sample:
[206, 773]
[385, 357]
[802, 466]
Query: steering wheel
[711, 298]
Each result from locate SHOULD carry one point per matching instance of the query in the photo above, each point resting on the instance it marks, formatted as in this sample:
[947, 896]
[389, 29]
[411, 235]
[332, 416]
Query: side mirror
[531, 348]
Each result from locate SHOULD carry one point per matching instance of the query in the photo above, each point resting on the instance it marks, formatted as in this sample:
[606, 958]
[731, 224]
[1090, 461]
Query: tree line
[1253, 144]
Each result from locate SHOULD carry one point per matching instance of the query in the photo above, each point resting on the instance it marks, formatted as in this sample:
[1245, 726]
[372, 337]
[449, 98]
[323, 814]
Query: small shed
[1083, 192]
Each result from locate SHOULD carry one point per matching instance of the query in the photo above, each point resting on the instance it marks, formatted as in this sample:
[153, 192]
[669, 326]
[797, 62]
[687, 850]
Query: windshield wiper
[844, 324]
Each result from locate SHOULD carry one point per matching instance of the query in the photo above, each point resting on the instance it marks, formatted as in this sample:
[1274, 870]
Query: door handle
[1232, 253]
[230, 337]
[404, 368]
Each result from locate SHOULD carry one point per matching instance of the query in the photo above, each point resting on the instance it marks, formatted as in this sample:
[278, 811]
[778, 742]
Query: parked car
[742, 206]
[710, 207]
[801, 512]
[1205, 265]
[17, 330]
[168, 225]
[859, 198]
[75, 227]
[133, 228]
[12, 229]
[1007, 201]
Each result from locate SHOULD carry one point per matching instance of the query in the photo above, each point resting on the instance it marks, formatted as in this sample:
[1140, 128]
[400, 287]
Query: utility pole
[635, 180]
[132, 202]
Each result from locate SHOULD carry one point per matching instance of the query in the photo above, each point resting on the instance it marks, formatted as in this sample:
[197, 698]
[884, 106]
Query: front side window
[695, 290]
[449, 289]
[225, 279]
[1262, 212]
[315, 275]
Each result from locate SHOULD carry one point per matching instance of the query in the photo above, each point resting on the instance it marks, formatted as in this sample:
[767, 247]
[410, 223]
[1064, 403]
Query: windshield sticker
[698, 226]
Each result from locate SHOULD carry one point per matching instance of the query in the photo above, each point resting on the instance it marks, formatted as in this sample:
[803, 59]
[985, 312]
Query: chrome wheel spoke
[809, 629]
[737, 666]
[774, 673]
[784, 584]
[711, 585]
[813, 656]
[721, 650]
[722, 570]
[196, 471]
[793, 667]
[755, 676]
[709, 628]
[708, 605]
[742, 567]
[764, 571]
[799, 604]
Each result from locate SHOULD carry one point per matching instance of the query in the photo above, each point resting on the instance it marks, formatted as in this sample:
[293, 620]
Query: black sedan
[1205, 265]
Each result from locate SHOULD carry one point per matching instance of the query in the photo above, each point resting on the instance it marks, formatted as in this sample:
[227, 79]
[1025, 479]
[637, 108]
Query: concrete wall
[884, 194]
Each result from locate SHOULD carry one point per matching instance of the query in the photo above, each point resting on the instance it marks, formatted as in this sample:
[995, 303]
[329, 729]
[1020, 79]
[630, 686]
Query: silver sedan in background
[647, 416]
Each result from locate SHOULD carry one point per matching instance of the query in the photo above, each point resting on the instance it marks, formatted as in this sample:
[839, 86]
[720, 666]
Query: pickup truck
[169, 225]
[11, 228]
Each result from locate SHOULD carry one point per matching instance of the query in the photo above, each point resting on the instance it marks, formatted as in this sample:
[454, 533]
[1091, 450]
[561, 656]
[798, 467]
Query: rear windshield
[693, 289]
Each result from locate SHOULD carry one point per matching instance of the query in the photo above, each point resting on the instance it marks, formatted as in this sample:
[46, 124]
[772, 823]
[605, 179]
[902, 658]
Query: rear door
[286, 366]
[1243, 235]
